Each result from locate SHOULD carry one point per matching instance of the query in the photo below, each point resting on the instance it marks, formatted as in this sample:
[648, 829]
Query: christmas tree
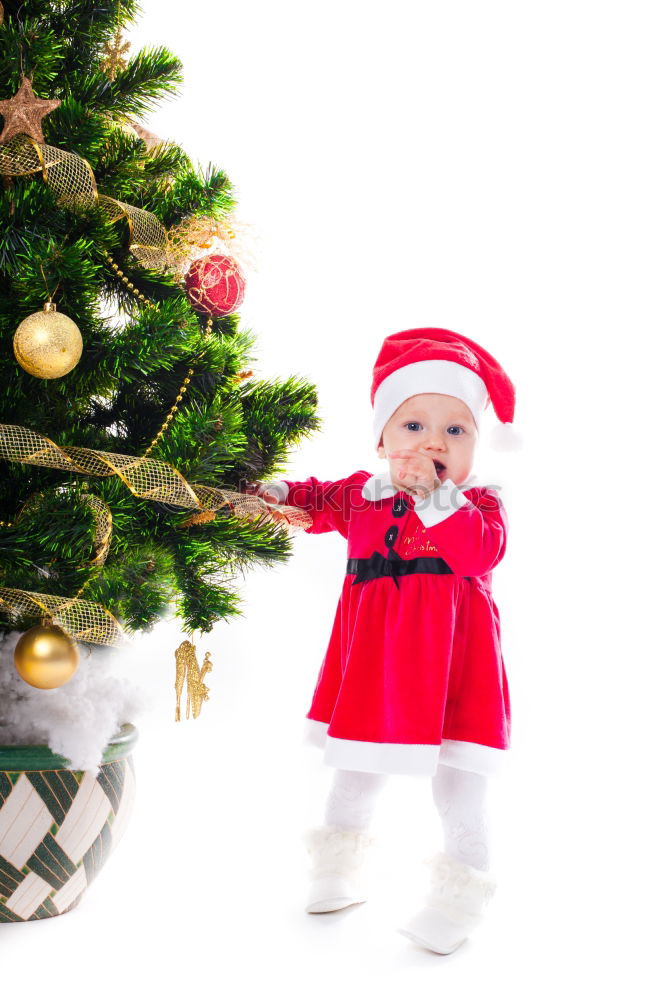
[129, 421]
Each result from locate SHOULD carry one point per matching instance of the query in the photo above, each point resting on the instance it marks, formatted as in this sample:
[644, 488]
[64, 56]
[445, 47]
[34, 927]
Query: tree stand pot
[58, 826]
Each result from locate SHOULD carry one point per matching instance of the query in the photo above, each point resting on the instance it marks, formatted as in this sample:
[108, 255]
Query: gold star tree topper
[23, 113]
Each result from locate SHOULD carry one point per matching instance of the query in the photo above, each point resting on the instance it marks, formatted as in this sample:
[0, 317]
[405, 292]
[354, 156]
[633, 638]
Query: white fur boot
[337, 859]
[454, 907]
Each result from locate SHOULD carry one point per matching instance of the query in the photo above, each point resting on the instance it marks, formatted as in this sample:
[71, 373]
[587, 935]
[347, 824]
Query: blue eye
[411, 423]
[457, 427]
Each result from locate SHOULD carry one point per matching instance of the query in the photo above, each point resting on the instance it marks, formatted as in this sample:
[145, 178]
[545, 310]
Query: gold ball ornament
[46, 657]
[48, 344]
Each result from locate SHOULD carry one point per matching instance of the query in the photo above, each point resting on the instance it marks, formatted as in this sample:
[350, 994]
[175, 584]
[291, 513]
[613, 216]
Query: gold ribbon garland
[146, 478]
[103, 528]
[102, 518]
[72, 181]
[85, 621]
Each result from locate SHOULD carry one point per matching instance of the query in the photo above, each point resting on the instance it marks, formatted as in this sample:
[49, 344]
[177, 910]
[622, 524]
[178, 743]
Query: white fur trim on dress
[380, 486]
[401, 758]
[445, 500]
[447, 377]
[475, 757]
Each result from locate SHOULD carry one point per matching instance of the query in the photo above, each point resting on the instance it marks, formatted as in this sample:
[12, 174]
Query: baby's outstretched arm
[328, 503]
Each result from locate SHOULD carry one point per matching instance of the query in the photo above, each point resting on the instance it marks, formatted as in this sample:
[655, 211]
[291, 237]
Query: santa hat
[433, 360]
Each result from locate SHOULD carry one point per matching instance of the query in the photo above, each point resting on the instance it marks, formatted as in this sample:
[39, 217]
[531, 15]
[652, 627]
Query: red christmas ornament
[215, 285]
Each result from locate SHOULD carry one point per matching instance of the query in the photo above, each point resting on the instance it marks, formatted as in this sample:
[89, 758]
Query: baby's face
[441, 427]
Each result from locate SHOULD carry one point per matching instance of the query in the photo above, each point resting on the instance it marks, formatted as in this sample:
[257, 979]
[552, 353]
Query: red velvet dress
[413, 674]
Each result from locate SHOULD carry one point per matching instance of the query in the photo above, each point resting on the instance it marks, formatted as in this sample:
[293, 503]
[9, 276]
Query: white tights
[460, 798]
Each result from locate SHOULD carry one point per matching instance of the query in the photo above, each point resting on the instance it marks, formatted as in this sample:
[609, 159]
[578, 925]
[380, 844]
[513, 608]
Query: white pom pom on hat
[430, 359]
[503, 437]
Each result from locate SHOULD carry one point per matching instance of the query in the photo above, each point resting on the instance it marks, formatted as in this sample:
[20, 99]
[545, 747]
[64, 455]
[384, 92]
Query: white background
[497, 169]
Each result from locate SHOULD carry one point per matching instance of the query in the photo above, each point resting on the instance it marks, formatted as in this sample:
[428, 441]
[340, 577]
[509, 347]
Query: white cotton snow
[78, 719]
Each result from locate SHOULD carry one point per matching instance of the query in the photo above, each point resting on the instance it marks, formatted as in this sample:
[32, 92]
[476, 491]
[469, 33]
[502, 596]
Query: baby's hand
[259, 489]
[415, 472]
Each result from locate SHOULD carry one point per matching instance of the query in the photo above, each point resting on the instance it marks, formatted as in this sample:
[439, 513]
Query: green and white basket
[58, 826]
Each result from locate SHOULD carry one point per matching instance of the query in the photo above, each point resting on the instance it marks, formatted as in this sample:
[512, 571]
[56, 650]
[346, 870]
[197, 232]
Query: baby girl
[413, 679]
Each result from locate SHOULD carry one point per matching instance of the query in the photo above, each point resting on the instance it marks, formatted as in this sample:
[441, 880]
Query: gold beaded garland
[190, 371]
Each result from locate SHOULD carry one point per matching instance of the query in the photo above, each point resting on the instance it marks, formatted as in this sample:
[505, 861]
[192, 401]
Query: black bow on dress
[378, 565]
[394, 566]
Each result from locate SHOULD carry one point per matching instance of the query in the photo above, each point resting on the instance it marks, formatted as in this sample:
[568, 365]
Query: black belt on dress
[394, 566]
